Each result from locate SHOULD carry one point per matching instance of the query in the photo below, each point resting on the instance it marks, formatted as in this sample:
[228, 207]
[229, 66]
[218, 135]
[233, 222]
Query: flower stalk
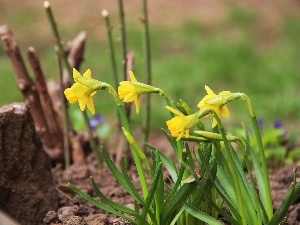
[148, 72]
[123, 37]
[266, 196]
[64, 57]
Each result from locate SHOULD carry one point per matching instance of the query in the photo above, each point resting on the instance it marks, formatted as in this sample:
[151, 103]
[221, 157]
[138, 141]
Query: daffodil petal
[187, 133]
[176, 112]
[82, 103]
[79, 90]
[179, 136]
[137, 105]
[76, 73]
[70, 95]
[87, 74]
[132, 77]
[214, 122]
[209, 91]
[90, 105]
[130, 97]
[225, 111]
[125, 88]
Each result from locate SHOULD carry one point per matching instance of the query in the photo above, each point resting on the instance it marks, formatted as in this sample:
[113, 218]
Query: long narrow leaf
[177, 201]
[172, 141]
[113, 204]
[291, 195]
[210, 174]
[168, 163]
[176, 185]
[201, 215]
[160, 192]
[128, 181]
[99, 204]
[152, 190]
[120, 178]
[248, 194]
[176, 217]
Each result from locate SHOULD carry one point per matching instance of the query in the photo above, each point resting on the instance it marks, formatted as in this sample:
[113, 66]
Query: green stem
[267, 195]
[237, 188]
[147, 68]
[68, 67]
[123, 37]
[111, 47]
[112, 53]
[65, 116]
[125, 122]
[57, 36]
[92, 142]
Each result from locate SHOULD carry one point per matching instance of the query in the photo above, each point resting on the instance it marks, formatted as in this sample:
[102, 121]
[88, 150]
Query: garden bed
[89, 214]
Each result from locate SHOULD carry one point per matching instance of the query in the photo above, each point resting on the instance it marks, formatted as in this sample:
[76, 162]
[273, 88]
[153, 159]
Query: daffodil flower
[81, 93]
[216, 103]
[181, 124]
[131, 90]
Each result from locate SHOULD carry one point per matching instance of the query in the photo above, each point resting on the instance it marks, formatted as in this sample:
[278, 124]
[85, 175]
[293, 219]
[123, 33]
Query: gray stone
[27, 190]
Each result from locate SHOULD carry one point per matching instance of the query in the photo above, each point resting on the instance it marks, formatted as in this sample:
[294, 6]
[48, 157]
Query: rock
[27, 190]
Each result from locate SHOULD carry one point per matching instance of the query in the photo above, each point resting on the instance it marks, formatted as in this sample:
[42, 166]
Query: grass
[228, 56]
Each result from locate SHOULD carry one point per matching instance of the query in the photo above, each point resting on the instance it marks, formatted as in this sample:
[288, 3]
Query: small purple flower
[277, 124]
[260, 123]
[96, 120]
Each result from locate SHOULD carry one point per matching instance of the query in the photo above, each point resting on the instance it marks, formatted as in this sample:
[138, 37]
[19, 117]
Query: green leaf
[294, 154]
[168, 163]
[128, 186]
[99, 204]
[152, 190]
[201, 215]
[172, 141]
[113, 204]
[260, 185]
[160, 192]
[128, 181]
[177, 201]
[176, 217]
[285, 204]
[177, 183]
[248, 193]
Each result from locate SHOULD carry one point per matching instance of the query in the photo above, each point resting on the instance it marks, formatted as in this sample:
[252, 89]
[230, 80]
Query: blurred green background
[251, 47]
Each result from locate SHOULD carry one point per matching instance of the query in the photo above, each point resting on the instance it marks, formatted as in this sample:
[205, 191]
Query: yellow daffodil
[181, 124]
[130, 91]
[81, 93]
[216, 103]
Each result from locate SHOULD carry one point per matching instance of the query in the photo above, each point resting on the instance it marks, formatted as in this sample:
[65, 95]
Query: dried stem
[92, 142]
[76, 49]
[47, 107]
[26, 85]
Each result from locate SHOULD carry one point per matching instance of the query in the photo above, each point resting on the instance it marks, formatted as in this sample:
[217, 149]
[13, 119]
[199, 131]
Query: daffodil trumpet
[82, 90]
[180, 125]
[219, 104]
[130, 91]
